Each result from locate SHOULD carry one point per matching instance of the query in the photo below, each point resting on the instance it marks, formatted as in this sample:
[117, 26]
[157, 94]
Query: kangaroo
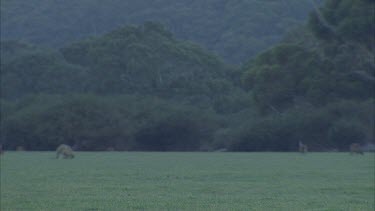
[355, 148]
[65, 151]
[302, 148]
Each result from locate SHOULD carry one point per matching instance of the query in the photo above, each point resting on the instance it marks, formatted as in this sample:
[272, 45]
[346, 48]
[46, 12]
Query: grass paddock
[187, 181]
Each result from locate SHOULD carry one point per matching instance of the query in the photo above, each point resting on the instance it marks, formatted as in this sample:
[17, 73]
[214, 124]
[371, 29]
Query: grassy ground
[187, 181]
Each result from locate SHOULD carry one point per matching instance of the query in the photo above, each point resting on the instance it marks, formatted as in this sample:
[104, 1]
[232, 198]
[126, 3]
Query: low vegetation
[187, 181]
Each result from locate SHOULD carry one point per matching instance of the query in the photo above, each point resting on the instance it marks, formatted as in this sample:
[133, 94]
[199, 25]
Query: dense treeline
[145, 59]
[26, 69]
[142, 59]
[135, 88]
[318, 85]
[139, 88]
[230, 28]
[91, 122]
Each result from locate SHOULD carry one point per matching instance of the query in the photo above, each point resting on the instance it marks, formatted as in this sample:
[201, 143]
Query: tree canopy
[320, 69]
[138, 87]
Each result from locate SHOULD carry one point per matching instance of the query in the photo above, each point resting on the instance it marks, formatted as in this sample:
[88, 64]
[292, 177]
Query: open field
[187, 181]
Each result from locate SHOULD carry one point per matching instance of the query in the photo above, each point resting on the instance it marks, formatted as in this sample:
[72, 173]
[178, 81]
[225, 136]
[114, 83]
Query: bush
[343, 133]
[91, 122]
[181, 129]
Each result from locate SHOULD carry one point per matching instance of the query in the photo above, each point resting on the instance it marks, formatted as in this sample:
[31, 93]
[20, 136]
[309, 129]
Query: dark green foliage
[235, 30]
[89, 122]
[177, 131]
[139, 88]
[333, 127]
[317, 85]
[49, 121]
[279, 76]
[142, 59]
[317, 69]
[345, 133]
[145, 59]
[286, 73]
[26, 69]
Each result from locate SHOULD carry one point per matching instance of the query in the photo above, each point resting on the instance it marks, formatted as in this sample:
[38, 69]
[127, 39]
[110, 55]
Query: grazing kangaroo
[302, 148]
[64, 150]
[355, 148]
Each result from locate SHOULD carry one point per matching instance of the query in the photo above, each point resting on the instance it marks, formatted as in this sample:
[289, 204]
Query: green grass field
[187, 181]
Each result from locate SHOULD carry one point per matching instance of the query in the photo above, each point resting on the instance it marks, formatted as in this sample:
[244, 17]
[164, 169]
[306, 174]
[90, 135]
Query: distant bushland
[89, 122]
[140, 88]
